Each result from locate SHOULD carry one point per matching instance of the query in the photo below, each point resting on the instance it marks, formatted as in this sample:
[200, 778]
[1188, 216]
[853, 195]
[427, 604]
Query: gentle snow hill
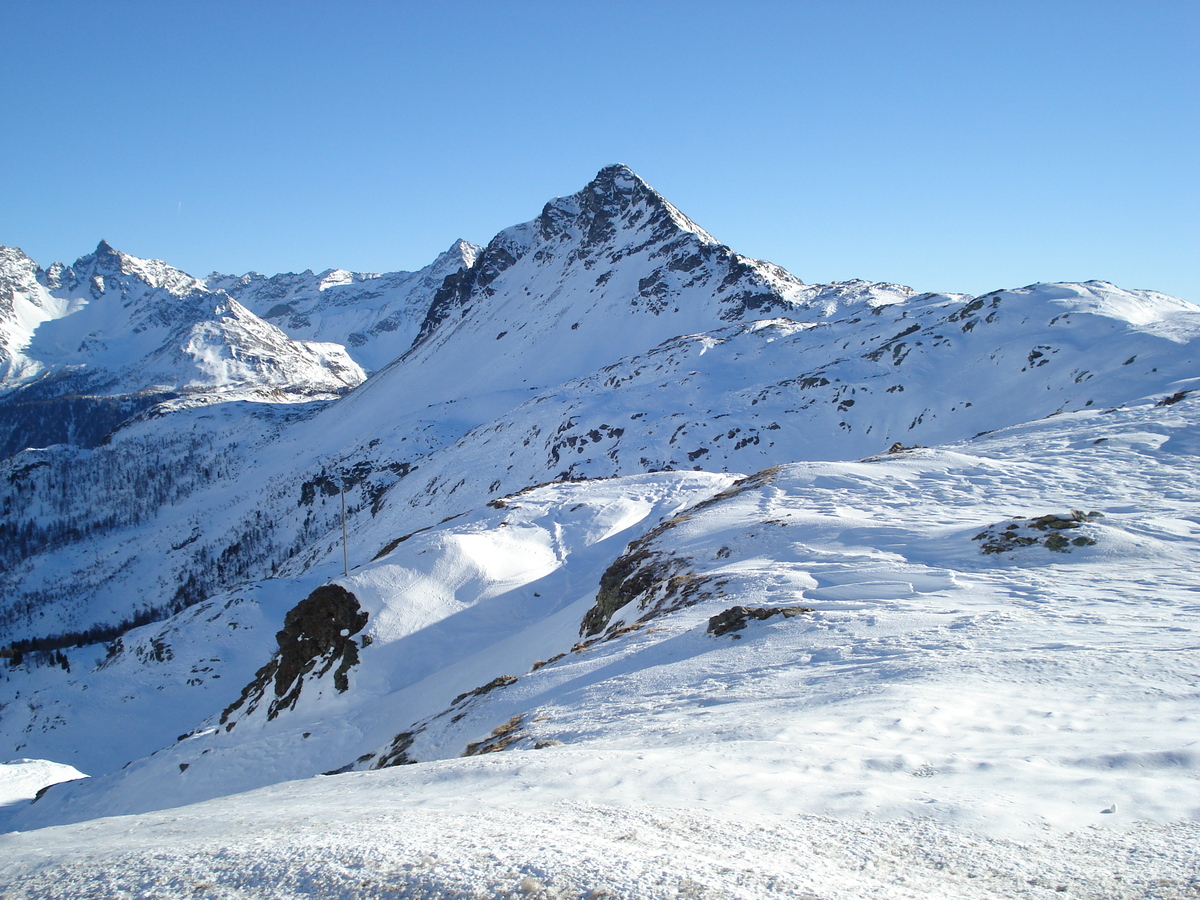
[951, 642]
[21, 779]
[127, 333]
[376, 317]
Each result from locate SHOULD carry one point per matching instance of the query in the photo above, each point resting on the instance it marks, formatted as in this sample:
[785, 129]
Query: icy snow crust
[984, 684]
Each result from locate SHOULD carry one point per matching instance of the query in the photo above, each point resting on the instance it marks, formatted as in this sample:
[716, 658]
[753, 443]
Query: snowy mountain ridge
[376, 317]
[645, 508]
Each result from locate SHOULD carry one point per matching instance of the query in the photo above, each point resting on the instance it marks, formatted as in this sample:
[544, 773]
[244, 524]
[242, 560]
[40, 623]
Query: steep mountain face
[25, 302]
[132, 333]
[376, 317]
[607, 431]
[610, 271]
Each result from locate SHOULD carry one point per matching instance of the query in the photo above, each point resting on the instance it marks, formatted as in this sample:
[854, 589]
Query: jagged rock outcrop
[317, 635]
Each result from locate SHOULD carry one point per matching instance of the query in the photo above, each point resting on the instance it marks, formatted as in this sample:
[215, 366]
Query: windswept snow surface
[21, 779]
[562, 825]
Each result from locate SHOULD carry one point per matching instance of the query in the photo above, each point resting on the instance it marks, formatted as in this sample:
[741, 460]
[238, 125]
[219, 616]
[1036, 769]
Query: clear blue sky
[959, 146]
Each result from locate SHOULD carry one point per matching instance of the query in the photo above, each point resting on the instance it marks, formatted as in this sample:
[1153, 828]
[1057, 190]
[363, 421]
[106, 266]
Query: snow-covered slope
[376, 317]
[21, 779]
[913, 669]
[736, 399]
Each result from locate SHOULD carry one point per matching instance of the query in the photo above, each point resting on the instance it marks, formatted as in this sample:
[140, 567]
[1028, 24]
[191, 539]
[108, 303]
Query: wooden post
[345, 552]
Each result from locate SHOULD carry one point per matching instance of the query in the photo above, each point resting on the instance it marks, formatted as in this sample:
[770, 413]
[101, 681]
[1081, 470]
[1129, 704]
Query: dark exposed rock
[736, 617]
[501, 681]
[317, 635]
[1044, 530]
[397, 752]
[1174, 398]
[641, 570]
[501, 738]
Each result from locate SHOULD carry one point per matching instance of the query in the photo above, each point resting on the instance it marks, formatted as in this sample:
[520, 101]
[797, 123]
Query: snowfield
[668, 576]
[566, 824]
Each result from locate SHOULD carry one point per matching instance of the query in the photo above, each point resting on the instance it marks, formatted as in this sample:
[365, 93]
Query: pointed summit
[617, 198]
[104, 260]
[461, 254]
[620, 181]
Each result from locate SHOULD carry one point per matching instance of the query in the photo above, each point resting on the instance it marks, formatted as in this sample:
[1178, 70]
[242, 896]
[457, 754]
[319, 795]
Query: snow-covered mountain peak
[603, 273]
[333, 278]
[17, 272]
[461, 255]
[615, 199]
[108, 262]
[525, 536]
[376, 316]
[85, 347]
[25, 302]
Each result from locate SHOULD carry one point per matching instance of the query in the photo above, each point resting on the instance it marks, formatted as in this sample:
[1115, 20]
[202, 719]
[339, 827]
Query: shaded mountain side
[78, 420]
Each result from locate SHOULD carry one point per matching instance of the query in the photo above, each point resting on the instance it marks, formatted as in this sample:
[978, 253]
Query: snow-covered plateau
[661, 574]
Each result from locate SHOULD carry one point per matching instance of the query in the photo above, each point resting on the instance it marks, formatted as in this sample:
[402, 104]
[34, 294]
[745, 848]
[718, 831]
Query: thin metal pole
[345, 552]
